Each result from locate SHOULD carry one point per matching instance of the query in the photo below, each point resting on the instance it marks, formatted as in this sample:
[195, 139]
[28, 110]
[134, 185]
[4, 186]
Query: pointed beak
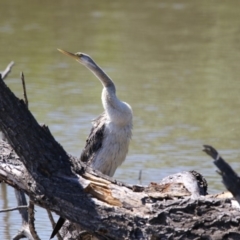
[69, 54]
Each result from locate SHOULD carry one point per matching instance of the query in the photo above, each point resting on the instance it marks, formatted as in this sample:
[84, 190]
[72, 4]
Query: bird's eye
[78, 54]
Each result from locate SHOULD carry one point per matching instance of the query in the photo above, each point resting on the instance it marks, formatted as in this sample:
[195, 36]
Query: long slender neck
[112, 105]
[102, 76]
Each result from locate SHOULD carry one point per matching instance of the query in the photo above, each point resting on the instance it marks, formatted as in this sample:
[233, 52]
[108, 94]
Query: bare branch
[230, 178]
[31, 221]
[51, 218]
[7, 70]
[24, 89]
[13, 209]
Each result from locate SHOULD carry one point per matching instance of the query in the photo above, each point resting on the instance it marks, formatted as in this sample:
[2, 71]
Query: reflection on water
[175, 62]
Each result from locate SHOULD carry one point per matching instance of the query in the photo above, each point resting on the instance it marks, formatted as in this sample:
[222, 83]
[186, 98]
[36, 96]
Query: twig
[7, 70]
[24, 89]
[51, 218]
[31, 221]
[140, 177]
[13, 209]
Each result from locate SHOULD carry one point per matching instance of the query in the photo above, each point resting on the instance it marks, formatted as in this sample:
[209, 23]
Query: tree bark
[35, 163]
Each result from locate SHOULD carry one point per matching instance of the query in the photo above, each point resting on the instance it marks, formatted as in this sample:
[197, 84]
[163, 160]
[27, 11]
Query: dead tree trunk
[54, 180]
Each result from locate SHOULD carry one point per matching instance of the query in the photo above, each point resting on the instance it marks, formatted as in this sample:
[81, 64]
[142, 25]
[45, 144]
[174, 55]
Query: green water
[175, 62]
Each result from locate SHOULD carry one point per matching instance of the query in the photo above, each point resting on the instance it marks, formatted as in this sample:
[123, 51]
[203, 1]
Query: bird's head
[80, 57]
[87, 61]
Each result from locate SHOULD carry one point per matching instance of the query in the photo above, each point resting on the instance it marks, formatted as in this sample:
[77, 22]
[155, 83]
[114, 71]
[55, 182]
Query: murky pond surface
[175, 62]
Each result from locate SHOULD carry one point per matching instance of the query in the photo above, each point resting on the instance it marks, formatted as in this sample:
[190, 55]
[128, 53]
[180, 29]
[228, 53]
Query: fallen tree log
[35, 163]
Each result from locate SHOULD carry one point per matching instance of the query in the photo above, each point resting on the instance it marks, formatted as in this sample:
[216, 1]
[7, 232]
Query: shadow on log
[36, 164]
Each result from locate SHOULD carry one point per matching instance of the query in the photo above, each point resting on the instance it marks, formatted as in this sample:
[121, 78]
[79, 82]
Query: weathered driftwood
[106, 208]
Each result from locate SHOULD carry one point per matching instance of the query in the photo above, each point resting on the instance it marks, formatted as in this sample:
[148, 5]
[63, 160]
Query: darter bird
[107, 145]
